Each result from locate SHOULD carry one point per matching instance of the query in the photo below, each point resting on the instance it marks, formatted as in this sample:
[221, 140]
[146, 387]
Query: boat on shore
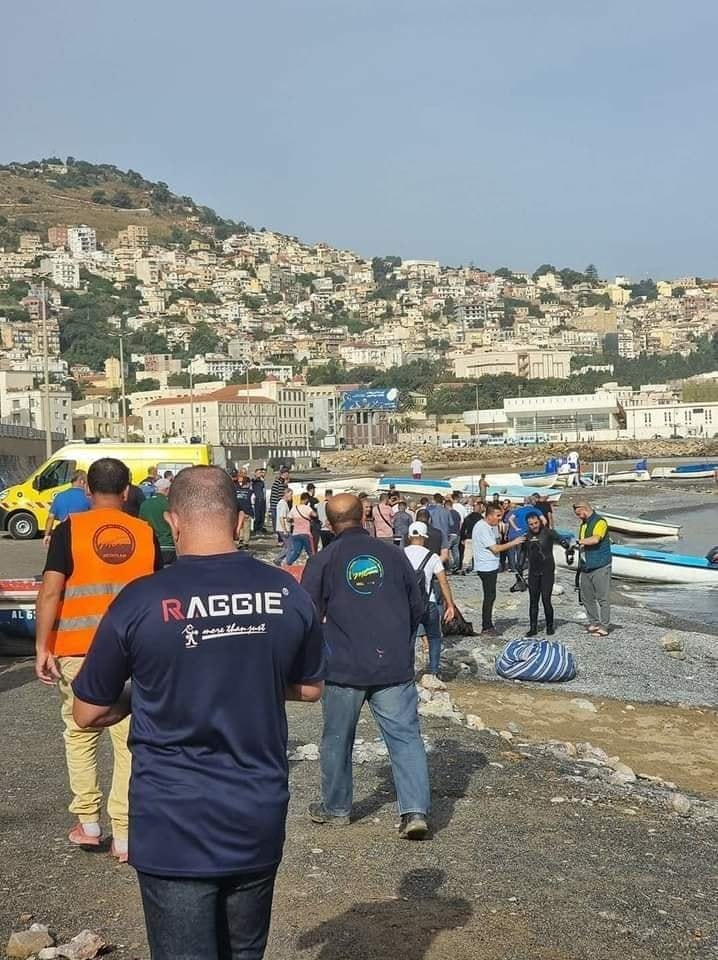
[638, 527]
[17, 608]
[337, 485]
[685, 471]
[653, 566]
[470, 481]
[415, 488]
[539, 479]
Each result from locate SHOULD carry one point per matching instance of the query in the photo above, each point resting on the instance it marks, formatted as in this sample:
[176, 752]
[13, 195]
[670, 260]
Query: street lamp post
[249, 419]
[120, 336]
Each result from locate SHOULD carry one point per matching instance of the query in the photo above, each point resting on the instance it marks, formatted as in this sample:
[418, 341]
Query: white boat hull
[471, 481]
[647, 570]
[635, 526]
[338, 485]
[669, 473]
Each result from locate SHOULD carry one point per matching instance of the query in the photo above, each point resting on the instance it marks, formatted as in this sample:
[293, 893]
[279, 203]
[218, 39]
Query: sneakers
[532, 632]
[550, 630]
[318, 814]
[413, 827]
[81, 839]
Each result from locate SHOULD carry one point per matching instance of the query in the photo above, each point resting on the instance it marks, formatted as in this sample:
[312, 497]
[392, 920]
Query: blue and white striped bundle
[538, 660]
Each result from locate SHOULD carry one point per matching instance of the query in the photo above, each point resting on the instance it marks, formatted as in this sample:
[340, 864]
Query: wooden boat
[17, 608]
[539, 479]
[653, 566]
[685, 471]
[638, 527]
[415, 488]
[516, 493]
[337, 485]
[471, 480]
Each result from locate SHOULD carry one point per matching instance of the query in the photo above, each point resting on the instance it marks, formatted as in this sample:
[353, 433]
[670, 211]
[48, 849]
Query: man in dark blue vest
[595, 568]
[370, 605]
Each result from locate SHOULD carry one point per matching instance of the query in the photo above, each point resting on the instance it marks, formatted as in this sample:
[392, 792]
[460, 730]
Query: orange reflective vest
[109, 550]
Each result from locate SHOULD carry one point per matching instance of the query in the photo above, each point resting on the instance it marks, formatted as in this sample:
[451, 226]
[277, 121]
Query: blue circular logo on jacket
[365, 575]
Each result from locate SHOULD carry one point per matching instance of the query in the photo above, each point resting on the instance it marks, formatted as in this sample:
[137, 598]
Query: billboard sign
[380, 398]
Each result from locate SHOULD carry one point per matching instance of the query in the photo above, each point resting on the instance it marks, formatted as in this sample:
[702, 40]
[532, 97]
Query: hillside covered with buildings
[239, 335]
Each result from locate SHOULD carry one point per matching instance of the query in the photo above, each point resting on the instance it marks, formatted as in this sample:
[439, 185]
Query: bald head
[200, 493]
[344, 511]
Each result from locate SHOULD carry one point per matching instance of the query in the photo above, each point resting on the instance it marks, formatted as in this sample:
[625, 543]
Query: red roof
[225, 395]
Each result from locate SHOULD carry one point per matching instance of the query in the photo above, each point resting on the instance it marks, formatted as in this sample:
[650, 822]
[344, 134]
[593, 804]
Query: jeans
[431, 622]
[395, 711]
[595, 586]
[541, 586]
[285, 539]
[488, 584]
[454, 552]
[298, 542]
[218, 918]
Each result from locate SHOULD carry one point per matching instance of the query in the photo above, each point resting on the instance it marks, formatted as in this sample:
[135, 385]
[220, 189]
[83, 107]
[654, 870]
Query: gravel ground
[529, 858]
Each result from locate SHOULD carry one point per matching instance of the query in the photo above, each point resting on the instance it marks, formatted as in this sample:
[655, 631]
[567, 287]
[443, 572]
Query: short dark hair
[423, 516]
[438, 498]
[492, 509]
[108, 475]
[304, 497]
[204, 491]
[328, 493]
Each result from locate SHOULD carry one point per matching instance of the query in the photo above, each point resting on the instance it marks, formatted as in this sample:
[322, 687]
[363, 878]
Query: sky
[493, 132]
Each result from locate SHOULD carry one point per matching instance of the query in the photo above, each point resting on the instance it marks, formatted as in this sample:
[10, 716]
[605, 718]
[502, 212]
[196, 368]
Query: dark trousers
[541, 585]
[488, 584]
[218, 918]
[326, 536]
[260, 514]
[168, 556]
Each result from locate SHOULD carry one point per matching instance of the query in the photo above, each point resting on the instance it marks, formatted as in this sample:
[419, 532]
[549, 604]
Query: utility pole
[46, 374]
[478, 432]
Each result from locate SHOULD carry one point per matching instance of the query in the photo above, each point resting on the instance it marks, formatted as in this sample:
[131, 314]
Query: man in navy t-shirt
[213, 647]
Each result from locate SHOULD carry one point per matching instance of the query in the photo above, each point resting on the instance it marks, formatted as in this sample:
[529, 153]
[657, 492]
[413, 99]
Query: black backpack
[421, 580]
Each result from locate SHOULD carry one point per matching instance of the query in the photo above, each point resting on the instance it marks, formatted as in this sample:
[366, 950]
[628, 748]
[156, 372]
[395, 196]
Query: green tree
[148, 384]
[122, 200]
[504, 272]
[544, 268]
[591, 273]
[203, 340]
[99, 196]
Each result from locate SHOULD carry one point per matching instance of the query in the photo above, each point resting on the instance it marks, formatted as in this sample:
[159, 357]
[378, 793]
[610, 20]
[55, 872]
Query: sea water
[699, 532]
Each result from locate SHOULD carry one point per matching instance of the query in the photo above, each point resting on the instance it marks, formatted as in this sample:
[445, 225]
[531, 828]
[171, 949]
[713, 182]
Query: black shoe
[550, 630]
[318, 814]
[489, 632]
[533, 632]
[413, 827]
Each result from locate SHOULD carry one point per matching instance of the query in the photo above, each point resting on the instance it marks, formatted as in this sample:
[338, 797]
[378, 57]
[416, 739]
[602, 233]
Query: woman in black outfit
[541, 570]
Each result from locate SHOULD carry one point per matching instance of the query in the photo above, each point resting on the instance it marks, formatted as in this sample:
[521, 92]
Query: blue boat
[419, 488]
[654, 566]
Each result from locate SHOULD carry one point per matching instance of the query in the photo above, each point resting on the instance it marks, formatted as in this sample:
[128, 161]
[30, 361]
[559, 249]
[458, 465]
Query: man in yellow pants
[91, 557]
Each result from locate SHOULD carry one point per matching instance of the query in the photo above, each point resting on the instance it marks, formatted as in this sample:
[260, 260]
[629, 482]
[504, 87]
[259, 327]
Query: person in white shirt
[574, 466]
[416, 468]
[434, 574]
[459, 505]
[284, 525]
[486, 549]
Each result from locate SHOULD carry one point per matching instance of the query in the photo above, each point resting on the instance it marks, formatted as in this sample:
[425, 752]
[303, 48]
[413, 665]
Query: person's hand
[46, 539]
[449, 612]
[517, 541]
[46, 669]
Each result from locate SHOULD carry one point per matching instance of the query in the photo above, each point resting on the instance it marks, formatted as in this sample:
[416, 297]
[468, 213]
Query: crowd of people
[128, 621]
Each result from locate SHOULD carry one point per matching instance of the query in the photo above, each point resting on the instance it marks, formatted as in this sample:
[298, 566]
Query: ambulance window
[55, 474]
[174, 466]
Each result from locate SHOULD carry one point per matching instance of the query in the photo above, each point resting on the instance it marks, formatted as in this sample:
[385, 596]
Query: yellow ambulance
[24, 507]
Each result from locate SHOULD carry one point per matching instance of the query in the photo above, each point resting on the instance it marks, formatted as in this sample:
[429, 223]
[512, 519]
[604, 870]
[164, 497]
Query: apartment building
[23, 404]
[57, 236]
[81, 240]
[226, 416]
[521, 361]
[134, 235]
[65, 272]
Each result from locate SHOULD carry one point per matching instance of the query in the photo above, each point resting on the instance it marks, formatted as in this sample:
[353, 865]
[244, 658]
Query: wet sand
[673, 743]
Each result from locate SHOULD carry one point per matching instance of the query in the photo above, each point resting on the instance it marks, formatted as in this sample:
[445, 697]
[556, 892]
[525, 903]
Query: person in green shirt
[152, 510]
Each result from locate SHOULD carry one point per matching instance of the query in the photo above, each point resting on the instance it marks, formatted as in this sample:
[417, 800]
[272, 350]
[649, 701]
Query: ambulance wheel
[22, 526]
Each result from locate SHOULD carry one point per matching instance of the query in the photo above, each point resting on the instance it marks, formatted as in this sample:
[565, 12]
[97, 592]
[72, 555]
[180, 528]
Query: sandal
[81, 839]
[600, 632]
[592, 628]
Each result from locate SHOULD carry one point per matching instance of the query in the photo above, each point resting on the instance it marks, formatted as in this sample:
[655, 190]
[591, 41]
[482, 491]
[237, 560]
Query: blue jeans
[298, 542]
[454, 556]
[431, 622]
[218, 918]
[395, 711]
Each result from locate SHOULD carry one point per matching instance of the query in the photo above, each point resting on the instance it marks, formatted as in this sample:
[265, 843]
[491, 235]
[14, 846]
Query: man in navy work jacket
[368, 599]
[213, 646]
